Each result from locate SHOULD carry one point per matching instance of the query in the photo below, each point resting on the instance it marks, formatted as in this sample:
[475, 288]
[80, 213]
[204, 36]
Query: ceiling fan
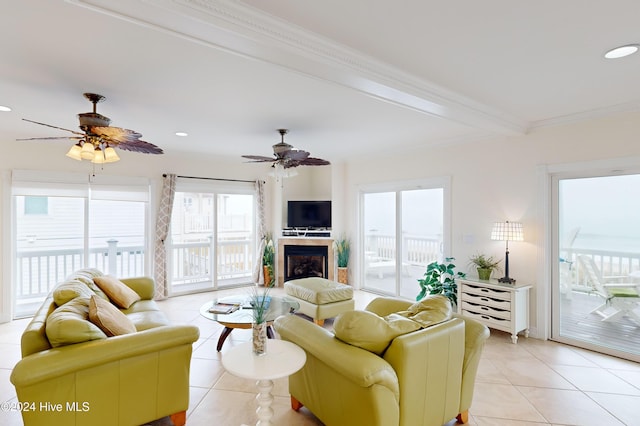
[286, 156]
[97, 139]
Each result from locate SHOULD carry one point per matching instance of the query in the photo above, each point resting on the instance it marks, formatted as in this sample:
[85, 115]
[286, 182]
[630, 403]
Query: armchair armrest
[144, 286]
[384, 306]
[357, 365]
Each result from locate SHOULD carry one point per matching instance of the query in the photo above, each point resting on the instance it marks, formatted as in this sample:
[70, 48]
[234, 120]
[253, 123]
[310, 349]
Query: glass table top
[244, 314]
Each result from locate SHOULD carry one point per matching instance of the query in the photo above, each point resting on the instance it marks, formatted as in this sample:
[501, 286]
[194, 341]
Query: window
[36, 205]
[101, 224]
[213, 235]
[403, 230]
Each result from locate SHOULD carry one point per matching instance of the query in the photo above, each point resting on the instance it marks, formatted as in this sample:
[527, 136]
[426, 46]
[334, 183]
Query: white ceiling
[346, 77]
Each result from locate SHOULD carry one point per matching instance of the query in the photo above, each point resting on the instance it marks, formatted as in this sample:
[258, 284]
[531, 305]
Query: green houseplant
[342, 249]
[268, 261]
[485, 265]
[440, 278]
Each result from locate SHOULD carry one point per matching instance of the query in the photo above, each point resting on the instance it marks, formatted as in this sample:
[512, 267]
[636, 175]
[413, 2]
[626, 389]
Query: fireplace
[305, 261]
[304, 256]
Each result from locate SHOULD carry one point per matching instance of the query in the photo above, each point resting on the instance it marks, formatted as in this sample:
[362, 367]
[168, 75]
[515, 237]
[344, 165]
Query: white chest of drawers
[500, 306]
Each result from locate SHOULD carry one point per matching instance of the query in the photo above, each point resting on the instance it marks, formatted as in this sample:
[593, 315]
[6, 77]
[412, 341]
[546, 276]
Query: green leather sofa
[127, 379]
[425, 377]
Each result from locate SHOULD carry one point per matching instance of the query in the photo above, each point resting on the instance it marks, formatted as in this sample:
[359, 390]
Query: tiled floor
[533, 382]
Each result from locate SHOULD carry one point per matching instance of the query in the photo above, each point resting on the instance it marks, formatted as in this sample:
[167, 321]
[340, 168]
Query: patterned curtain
[162, 231]
[258, 271]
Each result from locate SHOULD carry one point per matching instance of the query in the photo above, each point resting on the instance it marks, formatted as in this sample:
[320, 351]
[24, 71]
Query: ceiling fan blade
[116, 134]
[54, 127]
[137, 145]
[296, 154]
[51, 138]
[258, 158]
[314, 162]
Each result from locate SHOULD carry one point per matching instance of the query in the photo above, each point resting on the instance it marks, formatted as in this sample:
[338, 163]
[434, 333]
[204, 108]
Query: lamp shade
[88, 151]
[98, 156]
[507, 231]
[110, 155]
[74, 152]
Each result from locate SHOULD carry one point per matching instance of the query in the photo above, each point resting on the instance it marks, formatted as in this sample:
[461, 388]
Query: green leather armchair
[425, 377]
[129, 379]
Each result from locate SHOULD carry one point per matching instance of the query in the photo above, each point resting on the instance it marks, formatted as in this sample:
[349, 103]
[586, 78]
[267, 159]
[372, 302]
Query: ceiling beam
[242, 30]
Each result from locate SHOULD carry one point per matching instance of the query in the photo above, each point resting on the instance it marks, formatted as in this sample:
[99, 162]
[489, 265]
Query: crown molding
[239, 29]
[593, 114]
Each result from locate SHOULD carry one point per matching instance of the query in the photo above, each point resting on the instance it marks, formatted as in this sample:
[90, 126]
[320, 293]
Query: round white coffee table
[281, 359]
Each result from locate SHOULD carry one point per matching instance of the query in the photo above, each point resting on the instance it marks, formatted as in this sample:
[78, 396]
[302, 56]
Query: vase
[259, 338]
[343, 275]
[484, 274]
[267, 276]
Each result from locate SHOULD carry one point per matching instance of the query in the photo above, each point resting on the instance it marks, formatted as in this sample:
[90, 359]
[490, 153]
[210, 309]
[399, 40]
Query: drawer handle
[484, 308]
[484, 299]
[484, 290]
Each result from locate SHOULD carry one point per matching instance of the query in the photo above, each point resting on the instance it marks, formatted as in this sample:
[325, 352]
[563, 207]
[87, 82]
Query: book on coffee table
[224, 308]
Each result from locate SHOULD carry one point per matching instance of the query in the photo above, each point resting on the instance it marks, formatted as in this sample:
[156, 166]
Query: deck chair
[622, 297]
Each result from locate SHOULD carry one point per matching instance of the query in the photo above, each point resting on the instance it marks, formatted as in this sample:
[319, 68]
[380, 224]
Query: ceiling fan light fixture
[110, 155]
[98, 156]
[622, 51]
[5, 108]
[75, 151]
[88, 151]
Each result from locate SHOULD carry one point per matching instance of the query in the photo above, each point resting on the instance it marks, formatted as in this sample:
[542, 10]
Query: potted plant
[260, 302]
[440, 278]
[268, 261]
[342, 249]
[485, 265]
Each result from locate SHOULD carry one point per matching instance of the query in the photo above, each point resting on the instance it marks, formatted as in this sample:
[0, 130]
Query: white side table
[281, 359]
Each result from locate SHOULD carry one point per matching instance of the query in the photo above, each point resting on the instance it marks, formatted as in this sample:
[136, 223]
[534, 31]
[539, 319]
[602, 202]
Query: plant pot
[484, 274]
[267, 276]
[343, 275]
[259, 334]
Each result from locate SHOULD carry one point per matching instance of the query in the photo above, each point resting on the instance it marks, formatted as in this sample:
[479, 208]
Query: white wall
[499, 179]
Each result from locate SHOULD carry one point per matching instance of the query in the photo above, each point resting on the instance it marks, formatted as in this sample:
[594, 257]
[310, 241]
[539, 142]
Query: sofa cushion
[430, 310]
[110, 320]
[69, 290]
[69, 324]
[86, 276]
[369, 331]
[117, 291]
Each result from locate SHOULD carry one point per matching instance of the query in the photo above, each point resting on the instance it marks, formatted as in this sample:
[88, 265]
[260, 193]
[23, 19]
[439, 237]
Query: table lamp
[507, 231]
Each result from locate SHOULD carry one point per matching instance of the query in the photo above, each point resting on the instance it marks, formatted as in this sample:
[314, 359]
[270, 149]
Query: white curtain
[258, 271]
[162, 232]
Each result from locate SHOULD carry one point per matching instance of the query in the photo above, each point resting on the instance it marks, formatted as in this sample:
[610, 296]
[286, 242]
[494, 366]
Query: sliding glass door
[213, 239]
[62, 223]
[597, 272]
[403, 230]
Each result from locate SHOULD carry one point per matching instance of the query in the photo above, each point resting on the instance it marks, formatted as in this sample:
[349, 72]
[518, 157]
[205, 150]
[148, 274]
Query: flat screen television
[309, 214]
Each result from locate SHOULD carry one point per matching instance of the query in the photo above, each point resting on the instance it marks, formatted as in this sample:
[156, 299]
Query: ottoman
[320, 298]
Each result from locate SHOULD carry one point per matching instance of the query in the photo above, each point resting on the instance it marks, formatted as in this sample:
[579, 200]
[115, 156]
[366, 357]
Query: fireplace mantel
[304, 241]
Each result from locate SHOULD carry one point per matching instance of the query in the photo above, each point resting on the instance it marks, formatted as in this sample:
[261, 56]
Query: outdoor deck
[578, 323]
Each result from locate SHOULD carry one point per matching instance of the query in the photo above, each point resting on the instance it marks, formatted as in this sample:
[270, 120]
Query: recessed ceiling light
[182, 134]
[4, 108]
[622, 51]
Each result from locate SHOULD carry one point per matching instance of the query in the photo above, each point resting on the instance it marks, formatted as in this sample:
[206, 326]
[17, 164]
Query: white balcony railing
[192, 262]
[419, 251]
[38, 271]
